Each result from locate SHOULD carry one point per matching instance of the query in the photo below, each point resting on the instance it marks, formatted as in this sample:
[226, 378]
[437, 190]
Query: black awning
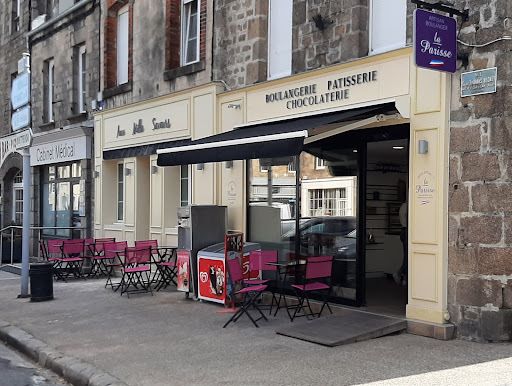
[141, 150]
[265, 140]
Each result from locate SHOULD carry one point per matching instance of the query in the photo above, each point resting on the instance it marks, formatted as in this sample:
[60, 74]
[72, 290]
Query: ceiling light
[354, 151]
[398, 147]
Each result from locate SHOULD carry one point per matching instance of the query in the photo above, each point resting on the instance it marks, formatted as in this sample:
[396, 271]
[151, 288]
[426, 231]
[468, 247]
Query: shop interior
[321, 202]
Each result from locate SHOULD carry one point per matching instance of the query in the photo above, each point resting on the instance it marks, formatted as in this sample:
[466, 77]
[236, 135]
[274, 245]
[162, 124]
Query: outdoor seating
[164, 259]
[264, 261]
[51, 250]
[250, 294]
[136, 270]
[98, 258]
[113, 251]
[73, 257]
[316, 281]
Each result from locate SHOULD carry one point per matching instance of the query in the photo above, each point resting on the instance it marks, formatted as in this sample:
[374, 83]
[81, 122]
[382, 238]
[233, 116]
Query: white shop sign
[14, 143]
[20, 93]
[21, 118]
[71, 149]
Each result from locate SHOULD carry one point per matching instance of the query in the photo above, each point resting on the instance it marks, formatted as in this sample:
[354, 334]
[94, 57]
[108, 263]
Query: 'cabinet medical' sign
[435, 41]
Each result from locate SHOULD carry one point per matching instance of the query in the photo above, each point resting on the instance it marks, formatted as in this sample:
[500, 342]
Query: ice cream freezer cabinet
[212, 271]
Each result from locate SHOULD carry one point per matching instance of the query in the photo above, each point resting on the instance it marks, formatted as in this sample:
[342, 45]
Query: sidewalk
[167, 340]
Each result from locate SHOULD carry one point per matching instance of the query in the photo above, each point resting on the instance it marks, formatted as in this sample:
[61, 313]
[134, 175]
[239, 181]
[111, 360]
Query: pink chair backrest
[73, 247]
[137, 255]
[235, 270]
[146, 244]
[258, 260]
[113, 247]
[99, 244]
[54, 247]
[318, 267]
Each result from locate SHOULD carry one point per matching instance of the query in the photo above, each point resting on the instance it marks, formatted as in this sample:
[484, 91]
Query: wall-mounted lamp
[96, 174]
[200, 166]
[422, 146]
[154, 169]
[229, 164]
[127, 172]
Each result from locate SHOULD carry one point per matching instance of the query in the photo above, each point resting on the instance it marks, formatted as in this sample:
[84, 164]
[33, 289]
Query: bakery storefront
[349, 161]
[134, 199]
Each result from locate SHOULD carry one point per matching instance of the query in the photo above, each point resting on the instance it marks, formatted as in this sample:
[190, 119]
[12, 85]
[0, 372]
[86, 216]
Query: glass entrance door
[329, 212]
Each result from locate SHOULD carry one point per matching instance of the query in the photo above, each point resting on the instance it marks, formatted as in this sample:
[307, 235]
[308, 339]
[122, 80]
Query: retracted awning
[264, 140]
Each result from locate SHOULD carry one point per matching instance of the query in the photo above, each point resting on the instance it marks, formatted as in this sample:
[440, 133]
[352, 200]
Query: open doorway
[386, 226]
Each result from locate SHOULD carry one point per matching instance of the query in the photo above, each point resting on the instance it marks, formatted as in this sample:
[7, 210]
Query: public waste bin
[41, 282]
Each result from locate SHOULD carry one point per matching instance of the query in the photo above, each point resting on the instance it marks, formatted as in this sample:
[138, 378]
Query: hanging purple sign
[435, 41]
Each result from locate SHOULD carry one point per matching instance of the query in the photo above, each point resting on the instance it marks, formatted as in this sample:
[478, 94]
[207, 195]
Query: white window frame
[17, 186]
[189, 184]
[320, 163]
[264, 169]
[120, 165]
[371, 51]
[339, 201]
[291, 166]
[82, 68]
[122, 57]
[51, 89]
[185, 25]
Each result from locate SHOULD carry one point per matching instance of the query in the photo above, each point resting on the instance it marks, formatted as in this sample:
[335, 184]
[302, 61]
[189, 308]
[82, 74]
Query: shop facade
[135, 199]
[62, 164]
[352, 114]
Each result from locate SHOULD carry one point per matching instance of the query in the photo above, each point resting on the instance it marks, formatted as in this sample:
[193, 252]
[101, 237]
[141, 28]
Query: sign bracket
[439, 6]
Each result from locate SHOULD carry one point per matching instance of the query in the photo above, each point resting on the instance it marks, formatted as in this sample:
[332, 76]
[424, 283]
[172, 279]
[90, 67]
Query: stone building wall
[59, 42]
[152, 73]
[241, 29]
[480, 192]
[12, 45]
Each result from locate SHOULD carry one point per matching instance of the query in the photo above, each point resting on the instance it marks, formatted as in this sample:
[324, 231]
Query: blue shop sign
[20, 93]
[478, 82]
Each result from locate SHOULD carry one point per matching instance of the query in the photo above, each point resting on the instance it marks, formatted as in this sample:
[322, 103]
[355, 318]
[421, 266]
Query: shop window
[280, 38]
[80, 77]
[49, 92]
[319, 163]
[185, 185]
[189, 31]
[16, 16]
[120, 192]
[17, 194]
[386, 36]
[327, 202]
[122, 45]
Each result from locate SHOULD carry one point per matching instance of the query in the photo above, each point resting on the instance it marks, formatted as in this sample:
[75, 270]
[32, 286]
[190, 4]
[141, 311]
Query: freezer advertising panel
[248, 273]
[212, 279]
[183, 263]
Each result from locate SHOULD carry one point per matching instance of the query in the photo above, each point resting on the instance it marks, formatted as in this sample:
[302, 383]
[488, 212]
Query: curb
[74, 371]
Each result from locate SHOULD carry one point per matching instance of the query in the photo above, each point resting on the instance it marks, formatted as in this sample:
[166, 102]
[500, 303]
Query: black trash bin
[41, 282]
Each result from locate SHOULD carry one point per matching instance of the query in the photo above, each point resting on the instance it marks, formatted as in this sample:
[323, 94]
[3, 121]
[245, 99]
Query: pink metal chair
[136, 270]
[113, 251]
[73, 257]
[98, 259]
[250, 293]
[165, 263]
[259, 261]
[317, 281]
[51, 251]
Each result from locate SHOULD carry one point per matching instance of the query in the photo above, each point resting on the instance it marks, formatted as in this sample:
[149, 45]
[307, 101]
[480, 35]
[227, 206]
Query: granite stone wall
[480, 191]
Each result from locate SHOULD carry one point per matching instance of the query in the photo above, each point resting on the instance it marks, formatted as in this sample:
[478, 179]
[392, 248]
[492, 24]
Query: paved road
[17, 371]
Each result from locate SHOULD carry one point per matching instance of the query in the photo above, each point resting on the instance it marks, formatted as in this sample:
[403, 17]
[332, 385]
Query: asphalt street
[18, 371]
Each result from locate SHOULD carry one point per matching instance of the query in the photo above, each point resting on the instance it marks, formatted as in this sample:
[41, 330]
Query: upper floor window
[16, 15]
[122, 45]
[189, 31]
[319, 163]
[280, 38]
[82, 78]
[388, 22]
[49, 90]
